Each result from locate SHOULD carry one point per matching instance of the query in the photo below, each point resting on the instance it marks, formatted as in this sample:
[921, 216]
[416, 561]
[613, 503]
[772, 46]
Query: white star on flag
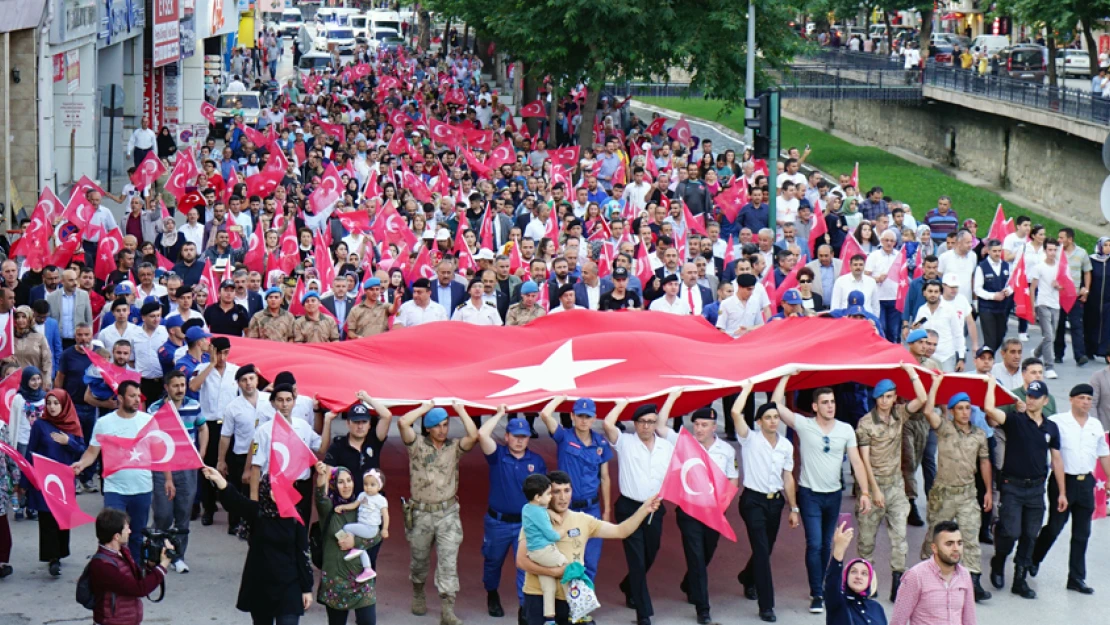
[558, 372]
[135, 455]
[1100, 485]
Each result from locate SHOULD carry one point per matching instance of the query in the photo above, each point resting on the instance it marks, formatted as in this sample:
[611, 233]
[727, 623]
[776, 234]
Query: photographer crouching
[118, 584]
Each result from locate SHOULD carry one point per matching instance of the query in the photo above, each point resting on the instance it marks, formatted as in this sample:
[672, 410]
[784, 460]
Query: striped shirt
[942, 225]
[190, 414]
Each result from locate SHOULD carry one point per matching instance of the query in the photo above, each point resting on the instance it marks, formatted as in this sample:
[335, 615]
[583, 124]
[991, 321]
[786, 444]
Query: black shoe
[6, 570]
[768, 616]
[1082, 361]
[985, 536]
[195, 513]
[32, 515]
[998, 575]
[643, 621]
[981, 594]
[895, 583]
[684, 588]
[816, 605]
[493, 604]
[55, 568]
[750, 593]
[704, 618]
[1020, 586]
[520, 618]
[1034, 569]
[914, 519]
[628, 602]
[207, 519]
[1080, 586]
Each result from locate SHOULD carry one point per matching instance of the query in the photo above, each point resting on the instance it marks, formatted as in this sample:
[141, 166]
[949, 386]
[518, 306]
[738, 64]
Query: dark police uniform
[502, 521]
[582, 463]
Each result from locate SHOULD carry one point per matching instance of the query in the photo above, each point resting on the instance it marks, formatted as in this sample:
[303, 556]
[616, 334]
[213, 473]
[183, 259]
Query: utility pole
[749, 71]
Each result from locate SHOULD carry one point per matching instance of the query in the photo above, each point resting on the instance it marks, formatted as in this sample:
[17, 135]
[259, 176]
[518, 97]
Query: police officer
[434, 507]
[768, 476]
[962, 452]
[584, 455]
[167, 352]
[527, 309]
[879, 437]
[509, 464]
[476, 310]
[1030, 438]
[1082, 445]
[699, 542]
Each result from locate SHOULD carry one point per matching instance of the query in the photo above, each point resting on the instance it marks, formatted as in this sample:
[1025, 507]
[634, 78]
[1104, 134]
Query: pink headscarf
[872, 584]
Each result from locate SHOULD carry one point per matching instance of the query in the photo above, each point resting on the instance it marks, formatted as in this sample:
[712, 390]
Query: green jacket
[338, 588]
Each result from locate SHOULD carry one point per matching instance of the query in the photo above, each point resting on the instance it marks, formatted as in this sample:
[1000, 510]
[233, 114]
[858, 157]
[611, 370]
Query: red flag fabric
[255, 258]
[50, 204]
[587, 354]
[165, 212]
[191, 199]
[263, 183]
[325, 266]
[64, 252]
[9, 387]
[415, 185]
[643, 265]
[299, 151]
[149, 170]
[455, 96]
[421, 267]
[697, 485]
[998, 224]
[257, 138]
[208, 111]
[296, 308]
[229, 188]
[485, 231]
[34, 245]
[278, 160]
[501, 155]
[855, 176]
[903, 274]
[476, 166]
[79, 211]
[820, 226]
[356, 222]
[106, 250]
[327, 192]
[478, 139]
[1100, 491]
[112, 374]
[83, 185]
[567, 157]
[656, 126]
[21, 462]
[692, 223]
[462, 252]
[163, 262]
[390, 227]
[516, 261]
[339, 131]
[605, 260]
[444, 134]
[1019, 282]
[163, 444]
[730, 253]
[533, 109]
[732, 199]
[289, 246]
[1068, 293]
[209, 282]
[58, 489]
[681, 132]
[289, 457]
[848, 249]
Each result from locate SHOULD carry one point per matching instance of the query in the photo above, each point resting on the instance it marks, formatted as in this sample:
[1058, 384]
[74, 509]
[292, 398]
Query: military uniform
[323, 329]
[434, 484]
[484, 314]
[278, 327]
[915, 436]
[519, 315]
[368, 319]
[953, 495]
[885, 442]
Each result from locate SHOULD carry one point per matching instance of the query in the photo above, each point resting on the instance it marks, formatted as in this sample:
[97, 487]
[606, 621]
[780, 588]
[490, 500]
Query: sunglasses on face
[805, 281]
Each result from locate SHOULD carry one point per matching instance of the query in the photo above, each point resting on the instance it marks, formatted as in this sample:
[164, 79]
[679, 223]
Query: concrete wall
[24, 118]
[1060, 171]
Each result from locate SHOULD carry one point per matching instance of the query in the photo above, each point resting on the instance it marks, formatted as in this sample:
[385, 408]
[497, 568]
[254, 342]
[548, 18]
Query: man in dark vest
[995, 295]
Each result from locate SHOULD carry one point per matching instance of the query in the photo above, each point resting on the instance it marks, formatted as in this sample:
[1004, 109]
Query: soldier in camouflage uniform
[961, 449]
[527, 309]
[915, 434]
[273, 322]
[371, 316]
[314, 326]
[432, 514]
[879, 437]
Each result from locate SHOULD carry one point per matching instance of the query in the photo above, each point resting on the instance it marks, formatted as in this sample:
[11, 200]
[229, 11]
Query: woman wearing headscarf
[26, 407]
[339, 592]
[167, 147]
[31, 348]
[276, 587]
[849, 589]
[56, 435]
[170, 241]
[1098, 301]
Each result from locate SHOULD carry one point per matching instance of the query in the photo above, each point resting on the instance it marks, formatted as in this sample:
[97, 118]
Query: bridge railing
[1073, 103]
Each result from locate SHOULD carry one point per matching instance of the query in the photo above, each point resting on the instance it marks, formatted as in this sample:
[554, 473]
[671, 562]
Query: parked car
[313, 61]
[1073, 63]
[991, 43]
[291, 22]
[1025, 62]
[942, 52]
[341, 38]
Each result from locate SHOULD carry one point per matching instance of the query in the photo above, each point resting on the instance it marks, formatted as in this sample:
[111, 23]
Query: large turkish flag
[637, 355]
[174, 450]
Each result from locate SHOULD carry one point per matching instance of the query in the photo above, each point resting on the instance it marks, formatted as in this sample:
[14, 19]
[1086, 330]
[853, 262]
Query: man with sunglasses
[824, 441]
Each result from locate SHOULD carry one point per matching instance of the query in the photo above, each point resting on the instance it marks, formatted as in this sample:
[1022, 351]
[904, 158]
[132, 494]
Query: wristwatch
[796, 510]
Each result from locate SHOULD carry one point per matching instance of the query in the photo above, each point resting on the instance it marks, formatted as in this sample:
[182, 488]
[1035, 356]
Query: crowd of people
[408, 194]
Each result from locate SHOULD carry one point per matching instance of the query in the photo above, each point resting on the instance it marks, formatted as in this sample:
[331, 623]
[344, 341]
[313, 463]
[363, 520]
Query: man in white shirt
[880, 265]
[144, 346]
[855, 281]
[1008, 369]
[643, 459]
[1082, 446]
[636, 192]
[142, 141]
[689, 291]
[420, 309]
[1014, 244]
[1043, 284]
[122, 329]
[739, 315]
[670, 302]
[960, 261]
[476, 310]
[786, 210]
[941, 317]
[950, 287]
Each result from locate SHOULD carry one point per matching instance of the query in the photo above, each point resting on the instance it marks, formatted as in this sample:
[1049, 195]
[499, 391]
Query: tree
[1059, 19]
[594, 41]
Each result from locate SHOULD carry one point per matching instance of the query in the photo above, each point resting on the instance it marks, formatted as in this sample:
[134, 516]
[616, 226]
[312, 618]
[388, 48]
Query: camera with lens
[154, 541]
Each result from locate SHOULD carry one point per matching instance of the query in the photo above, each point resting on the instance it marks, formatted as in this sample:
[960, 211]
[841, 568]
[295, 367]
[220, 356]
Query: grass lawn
[913, 184]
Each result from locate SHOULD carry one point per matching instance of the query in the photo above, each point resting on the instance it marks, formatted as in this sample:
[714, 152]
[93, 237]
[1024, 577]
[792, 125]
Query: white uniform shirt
[721, 453]
[412, 315]
[145, 348]
[484, 315]
[264, 434]
[218, 390]
[880, 263]
[241, 419]
[946, 322]
[1080, 447]
[734, 314]
[677, 307]
[111, 334]
[763, 464]
[641, 470]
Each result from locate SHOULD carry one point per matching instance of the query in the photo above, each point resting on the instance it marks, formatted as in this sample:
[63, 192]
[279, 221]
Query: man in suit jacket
[582, 287]
[339, 302]
[560, 275]
[502, 224]
[821, 266]
[51, 280]
[691, 292]
[447, 288]
[82, 309]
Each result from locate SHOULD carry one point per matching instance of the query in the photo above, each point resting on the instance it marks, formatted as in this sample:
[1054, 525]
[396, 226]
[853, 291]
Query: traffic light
[761, 123]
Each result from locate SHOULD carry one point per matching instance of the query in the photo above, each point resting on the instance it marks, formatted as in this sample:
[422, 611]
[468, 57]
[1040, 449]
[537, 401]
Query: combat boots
[981, 594]
[1021, 587]
[447, 612]
[419, 602]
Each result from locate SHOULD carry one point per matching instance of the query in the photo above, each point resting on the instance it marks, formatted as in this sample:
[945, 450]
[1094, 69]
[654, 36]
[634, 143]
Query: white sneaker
[1024, 337]
[180, 566]
[1050, 374]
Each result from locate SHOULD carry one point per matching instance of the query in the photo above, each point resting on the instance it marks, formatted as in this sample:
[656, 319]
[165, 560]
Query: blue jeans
[137, 508]
[929, 461]
[890, 320]
[819, 515]
[176, 513]
[593, 545]
[499, 537]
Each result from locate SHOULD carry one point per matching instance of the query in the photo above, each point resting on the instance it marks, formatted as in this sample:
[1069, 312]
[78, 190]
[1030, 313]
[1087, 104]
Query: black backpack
[85, 594]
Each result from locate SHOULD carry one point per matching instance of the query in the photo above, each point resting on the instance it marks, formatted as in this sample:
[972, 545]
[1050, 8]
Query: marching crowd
[397, 191]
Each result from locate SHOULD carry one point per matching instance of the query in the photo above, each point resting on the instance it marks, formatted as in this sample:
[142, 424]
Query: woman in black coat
[277, 579]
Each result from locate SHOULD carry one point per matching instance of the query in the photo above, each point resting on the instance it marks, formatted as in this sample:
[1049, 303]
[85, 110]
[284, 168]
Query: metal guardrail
[1071, 103]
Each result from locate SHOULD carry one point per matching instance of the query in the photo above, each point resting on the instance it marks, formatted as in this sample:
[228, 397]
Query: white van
[990, 43]
[381, 18]
[291, 22]
[360, 24]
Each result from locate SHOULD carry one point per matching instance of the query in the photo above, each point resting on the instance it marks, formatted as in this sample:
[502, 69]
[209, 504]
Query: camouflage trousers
[443, 528]
[948, 503]
[895, 511]
[915, 434]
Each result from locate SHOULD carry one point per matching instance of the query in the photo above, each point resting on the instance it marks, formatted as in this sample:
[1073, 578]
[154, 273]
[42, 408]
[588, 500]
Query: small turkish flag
[697, 485]
[51, 205]
[732, 199]
[208, 281]
[656, 126]
[163, 262]
[478, 139]
[681, 132]
[20, 462]
[64, 252]
[79, 211]
[730, 253]
[9, 388]
[567, 157]
[190, 200]
[501, 155]
[255, 258]
[903, 280]
[849, 249]
[533, 109]
[421, 267]
[289, 248]
[162, 445]
[57, 488]
[1100, 491]
[263, 183]
[693, 223]
[355, 222]
[855, 176]
[112, 374]
[998, 225]
[289, 457]
[208, 111]
[643, 265]
[820, 227]
[1068, 294]
[149, 170]
[1019, 282]
[110, 244]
